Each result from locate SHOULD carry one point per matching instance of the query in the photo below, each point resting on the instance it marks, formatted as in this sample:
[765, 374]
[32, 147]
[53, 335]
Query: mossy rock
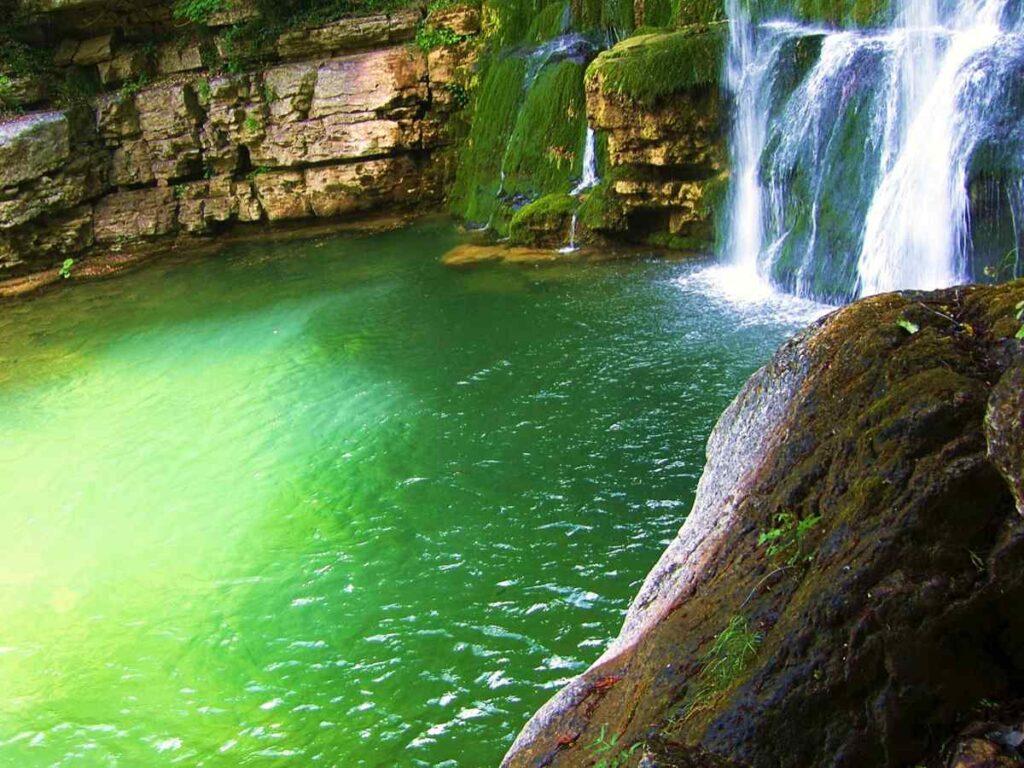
[543, 222]
[649, 67]
[545, 151]
[474, 195]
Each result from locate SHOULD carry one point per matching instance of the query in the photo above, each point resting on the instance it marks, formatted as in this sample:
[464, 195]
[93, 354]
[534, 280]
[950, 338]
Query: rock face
[846, 589]
[667, 158]
[336, 120]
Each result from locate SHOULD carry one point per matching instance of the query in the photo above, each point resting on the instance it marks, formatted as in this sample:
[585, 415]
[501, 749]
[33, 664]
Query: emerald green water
[332, 503]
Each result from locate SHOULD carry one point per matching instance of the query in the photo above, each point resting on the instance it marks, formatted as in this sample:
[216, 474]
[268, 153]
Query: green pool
[331, 503]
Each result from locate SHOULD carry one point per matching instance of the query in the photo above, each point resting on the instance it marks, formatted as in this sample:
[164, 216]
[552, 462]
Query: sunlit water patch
[330, 503]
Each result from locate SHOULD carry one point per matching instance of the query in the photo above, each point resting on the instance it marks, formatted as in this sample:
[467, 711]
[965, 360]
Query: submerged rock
[846, 590]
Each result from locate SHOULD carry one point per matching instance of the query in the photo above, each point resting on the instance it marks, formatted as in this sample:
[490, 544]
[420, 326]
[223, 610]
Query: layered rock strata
[338, 120]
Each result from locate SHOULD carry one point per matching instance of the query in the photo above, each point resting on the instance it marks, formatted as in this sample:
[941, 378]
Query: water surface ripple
[329, 503]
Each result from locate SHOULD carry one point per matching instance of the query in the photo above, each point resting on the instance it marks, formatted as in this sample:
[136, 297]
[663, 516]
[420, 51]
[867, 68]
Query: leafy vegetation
[908, 326]
[608, 751]
[429, 37]
[787, 539]
[1020, 318]
[131, 87]
[66, 267]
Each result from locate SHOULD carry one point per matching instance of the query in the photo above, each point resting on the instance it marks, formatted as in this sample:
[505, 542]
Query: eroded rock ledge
[334, 121]
[894, 620]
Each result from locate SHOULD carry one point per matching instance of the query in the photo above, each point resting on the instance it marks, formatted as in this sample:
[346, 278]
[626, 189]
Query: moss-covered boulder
[545, 222]
[846, 590]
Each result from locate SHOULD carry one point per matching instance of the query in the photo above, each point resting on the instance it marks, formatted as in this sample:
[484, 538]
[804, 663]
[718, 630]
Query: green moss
[647, 68]
[659, 13]
[843, 13]
[497, 101]
[534, 224]
[549, 23]
[545, 152]
[603, 14]
[507, 23]
[601, 210]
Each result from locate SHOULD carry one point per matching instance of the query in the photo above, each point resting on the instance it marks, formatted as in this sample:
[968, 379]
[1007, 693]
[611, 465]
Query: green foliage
[1020, 317]
[258, 171]
[65, 268]
[131, 87]
[199, 11]
[204, 90]
[429, 37]
[460, 96]
[251, 124]
[732, 653]
[649, 67]
[908, 326]
[608, 750]
[8, 94]
[788, 538]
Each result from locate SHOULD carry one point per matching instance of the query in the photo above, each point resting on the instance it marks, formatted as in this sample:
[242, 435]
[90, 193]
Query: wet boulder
[846, 590]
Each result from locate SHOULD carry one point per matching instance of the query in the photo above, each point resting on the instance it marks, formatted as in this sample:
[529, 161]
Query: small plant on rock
[429, 37]
[1020, 317]
[788, 538]
[729, 656]
[65, 268]
[199, 11]
[608, 750]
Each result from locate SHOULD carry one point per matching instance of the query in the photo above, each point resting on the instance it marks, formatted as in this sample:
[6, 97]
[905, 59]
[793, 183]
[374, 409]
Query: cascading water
[858, 156]
[588, 180]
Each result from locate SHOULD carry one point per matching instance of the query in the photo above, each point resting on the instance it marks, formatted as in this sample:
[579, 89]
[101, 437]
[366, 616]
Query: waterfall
[855, 151]
[588, 180]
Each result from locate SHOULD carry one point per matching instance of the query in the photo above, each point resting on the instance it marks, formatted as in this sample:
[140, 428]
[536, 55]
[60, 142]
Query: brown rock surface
[136, 214]
[890, 618]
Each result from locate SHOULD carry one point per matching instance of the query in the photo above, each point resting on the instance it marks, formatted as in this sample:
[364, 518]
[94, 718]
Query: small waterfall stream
[855, 152]
[588, 180]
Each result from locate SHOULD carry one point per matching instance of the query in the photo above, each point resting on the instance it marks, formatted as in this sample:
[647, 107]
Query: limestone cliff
[846, 589]
[326, 121]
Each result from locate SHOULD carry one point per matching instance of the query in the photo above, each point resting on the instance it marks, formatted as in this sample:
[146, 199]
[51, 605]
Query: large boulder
[846, 590]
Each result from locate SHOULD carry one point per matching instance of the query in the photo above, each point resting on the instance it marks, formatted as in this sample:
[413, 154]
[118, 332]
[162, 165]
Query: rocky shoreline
[845, 591]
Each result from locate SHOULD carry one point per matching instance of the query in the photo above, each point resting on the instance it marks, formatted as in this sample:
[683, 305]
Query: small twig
[762, 581]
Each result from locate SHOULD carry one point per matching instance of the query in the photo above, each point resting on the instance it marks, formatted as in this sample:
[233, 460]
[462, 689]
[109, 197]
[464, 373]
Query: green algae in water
[330, 502]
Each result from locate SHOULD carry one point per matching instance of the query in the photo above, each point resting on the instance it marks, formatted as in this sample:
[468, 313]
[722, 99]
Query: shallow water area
[329, 502]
